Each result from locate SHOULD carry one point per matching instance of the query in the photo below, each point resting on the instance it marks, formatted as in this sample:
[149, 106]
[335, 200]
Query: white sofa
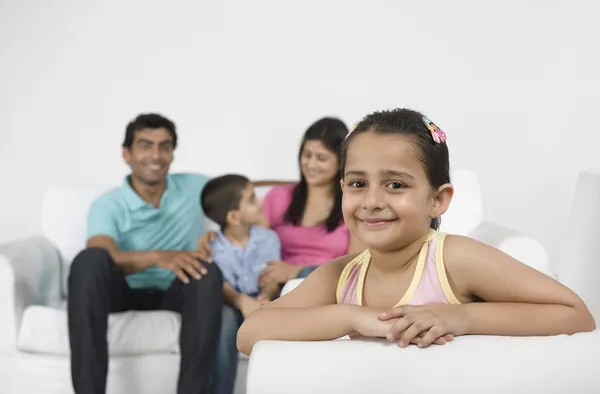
[34, 346]
[470, 364]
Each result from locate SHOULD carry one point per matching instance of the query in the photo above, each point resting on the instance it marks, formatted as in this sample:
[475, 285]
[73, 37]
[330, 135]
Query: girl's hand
[422, 324]
[203, 245]
[368, 322]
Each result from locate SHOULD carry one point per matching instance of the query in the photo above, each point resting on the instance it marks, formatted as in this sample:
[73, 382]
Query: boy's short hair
[221, 195]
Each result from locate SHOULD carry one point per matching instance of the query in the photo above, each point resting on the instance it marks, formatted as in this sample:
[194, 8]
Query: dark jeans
[227, 360]
[304, 272]
[97, 287]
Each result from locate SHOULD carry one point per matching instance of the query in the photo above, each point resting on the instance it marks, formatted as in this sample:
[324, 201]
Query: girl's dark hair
[433, 156]
[331, 132]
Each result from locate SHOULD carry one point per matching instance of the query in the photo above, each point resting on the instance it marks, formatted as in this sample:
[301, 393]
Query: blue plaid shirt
[242, 266]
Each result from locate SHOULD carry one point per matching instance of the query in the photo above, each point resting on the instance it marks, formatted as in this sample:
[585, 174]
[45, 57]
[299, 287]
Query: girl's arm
[307, 313]
[521, 301]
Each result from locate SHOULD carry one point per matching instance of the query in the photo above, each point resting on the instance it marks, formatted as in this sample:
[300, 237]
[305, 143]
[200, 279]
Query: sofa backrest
[65, 209]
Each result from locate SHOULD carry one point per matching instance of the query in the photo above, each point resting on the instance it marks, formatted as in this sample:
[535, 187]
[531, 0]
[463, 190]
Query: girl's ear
[441, 200]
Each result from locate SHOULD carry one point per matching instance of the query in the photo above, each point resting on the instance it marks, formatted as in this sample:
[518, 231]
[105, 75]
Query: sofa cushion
[44, 330]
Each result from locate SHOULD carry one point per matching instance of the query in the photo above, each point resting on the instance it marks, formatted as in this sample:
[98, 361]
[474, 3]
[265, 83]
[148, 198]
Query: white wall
[514, 84]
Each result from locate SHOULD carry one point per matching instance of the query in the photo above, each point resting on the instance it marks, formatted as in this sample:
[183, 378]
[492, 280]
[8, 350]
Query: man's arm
[182, 263]
[130, 262]
[103, 232]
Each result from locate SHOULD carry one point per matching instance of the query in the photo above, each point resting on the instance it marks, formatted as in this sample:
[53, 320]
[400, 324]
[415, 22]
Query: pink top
[429, 284]
[302, 245]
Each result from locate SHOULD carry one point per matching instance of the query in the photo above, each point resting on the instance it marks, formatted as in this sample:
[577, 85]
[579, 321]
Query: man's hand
[181, 263]
[203, 245]
[247, 304]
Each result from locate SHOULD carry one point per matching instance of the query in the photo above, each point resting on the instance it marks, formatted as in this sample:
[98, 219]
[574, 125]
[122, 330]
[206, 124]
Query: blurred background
[514, 84]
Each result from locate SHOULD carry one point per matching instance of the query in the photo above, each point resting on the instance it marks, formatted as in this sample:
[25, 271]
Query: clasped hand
[418, 324]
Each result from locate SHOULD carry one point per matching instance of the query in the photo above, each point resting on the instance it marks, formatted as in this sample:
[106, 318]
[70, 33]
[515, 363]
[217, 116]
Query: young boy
[241, 250]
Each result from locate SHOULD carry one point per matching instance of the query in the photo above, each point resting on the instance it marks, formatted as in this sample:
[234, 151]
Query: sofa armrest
[507, 365]
[30, 273]
[517, 245]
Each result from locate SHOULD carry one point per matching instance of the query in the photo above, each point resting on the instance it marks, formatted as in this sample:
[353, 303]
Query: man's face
[150, 155]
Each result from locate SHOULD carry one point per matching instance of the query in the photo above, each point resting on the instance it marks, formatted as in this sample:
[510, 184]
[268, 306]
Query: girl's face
[319, 165]
[388, 201]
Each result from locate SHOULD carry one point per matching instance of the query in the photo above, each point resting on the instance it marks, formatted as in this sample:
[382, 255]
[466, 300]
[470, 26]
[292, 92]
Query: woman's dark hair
[331, 132]
[148, 121]
[434, 156]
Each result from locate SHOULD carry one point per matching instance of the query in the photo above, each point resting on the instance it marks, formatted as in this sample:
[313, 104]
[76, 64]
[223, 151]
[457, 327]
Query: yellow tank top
[429, 284]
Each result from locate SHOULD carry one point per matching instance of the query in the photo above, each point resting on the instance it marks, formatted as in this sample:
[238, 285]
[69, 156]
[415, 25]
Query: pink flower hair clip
[438, 134]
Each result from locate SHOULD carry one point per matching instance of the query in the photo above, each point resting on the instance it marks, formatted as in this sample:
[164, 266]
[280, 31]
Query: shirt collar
[133, 199]
[222, 239]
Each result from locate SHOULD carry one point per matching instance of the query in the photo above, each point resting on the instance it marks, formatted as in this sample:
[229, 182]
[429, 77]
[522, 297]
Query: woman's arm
[521, 301]
[309, 312]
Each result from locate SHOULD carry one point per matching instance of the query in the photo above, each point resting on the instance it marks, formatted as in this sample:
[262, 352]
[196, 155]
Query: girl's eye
[396, 185]
[357, 184]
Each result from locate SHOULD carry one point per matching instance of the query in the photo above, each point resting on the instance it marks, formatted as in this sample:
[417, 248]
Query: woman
[307, 215]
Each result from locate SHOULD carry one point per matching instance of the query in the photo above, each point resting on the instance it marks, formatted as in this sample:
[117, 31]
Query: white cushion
[44, 330]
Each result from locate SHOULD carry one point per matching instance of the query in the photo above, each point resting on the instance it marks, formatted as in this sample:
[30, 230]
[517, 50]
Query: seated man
[141, 256]
[241, 250]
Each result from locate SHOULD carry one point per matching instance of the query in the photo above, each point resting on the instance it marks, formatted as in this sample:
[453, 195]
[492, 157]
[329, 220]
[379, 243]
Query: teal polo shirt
[136, 225]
